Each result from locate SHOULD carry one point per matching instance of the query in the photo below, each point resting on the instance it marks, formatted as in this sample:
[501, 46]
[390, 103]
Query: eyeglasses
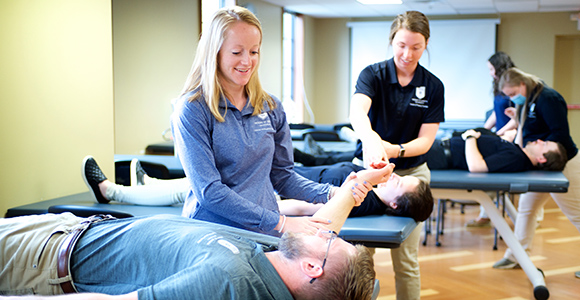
[330, 235]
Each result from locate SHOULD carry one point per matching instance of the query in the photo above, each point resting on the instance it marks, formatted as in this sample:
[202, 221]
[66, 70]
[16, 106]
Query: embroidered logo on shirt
[419, 103]
[532, 111]
[420, 92]
[212, 237]
[230, 246]
[263, 125]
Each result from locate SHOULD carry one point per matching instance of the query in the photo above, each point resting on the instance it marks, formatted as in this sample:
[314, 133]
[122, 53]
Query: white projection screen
[457, 53]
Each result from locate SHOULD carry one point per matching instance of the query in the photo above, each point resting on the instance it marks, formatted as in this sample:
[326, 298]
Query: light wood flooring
[461, 267]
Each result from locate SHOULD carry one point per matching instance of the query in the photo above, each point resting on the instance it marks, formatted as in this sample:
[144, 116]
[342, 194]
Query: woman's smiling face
[408, 47]
[238, 56]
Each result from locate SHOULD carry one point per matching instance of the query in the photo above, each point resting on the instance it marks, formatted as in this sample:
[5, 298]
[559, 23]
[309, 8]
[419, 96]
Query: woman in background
[497, 64]
[396, 111]
[541, 113]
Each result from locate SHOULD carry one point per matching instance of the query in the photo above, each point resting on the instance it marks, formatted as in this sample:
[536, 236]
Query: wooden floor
[461, 267]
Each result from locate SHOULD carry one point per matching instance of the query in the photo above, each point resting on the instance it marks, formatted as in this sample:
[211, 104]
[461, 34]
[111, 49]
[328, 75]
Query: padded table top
[520, 182]
[373, 231]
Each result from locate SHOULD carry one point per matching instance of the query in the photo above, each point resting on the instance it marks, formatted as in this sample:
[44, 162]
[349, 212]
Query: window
[293, 94]
[209, 7]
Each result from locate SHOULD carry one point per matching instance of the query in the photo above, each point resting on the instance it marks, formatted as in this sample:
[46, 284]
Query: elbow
[478, 169]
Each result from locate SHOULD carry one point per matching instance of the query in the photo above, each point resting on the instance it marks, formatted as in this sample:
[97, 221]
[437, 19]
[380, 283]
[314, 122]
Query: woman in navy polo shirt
[396, 111]
[541, 113]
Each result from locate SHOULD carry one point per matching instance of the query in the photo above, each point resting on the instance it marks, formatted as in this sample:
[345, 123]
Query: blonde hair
[350, 279]
[203, 78]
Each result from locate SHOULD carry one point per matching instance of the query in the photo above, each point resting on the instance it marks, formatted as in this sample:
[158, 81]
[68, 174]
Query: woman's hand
[358, 187]
[510, 112]
[374, 151]
[377, 175]
[308, 225]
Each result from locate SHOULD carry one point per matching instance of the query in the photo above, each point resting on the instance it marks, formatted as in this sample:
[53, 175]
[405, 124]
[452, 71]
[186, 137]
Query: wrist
[401, 150]
[283, 218]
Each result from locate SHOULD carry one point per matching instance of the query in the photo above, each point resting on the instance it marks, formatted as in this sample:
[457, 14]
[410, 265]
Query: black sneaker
[93, 175]
[137, 172]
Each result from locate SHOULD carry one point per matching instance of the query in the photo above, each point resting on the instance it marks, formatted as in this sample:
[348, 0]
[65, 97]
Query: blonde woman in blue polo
[233, 138]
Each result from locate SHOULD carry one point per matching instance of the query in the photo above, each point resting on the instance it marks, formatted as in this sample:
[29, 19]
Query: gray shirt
[171, 257]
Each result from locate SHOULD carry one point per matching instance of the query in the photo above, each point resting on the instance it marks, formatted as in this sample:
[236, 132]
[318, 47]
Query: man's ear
[541, 159]
[393, 204]
[311, 267]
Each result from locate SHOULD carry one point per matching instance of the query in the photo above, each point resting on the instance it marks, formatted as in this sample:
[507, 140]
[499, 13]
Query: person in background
[541, 113]
[399, 196]
[504, 125]
[395, 112]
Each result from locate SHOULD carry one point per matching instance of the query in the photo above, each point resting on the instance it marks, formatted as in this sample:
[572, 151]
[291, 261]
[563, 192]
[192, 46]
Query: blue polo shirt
[547, 119]
[397, 113]
[234, 167]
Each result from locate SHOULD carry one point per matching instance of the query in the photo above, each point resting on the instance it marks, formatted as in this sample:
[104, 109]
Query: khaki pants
[406, 257]
[29, 247]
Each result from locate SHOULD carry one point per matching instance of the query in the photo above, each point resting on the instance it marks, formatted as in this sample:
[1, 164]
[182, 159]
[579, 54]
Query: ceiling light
[369, 2]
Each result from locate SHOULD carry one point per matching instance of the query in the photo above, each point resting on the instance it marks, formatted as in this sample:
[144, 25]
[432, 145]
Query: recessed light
[369, 2]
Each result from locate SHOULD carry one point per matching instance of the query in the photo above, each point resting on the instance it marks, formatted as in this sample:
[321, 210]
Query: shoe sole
[83, 168]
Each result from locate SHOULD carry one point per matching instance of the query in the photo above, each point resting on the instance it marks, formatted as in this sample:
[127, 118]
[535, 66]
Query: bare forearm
[475, 161]
[338, 207]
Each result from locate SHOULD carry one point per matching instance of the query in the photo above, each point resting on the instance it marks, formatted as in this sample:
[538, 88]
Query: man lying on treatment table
[171, 257]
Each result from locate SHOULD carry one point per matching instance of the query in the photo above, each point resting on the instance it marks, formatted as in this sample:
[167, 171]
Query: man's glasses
[330, 235]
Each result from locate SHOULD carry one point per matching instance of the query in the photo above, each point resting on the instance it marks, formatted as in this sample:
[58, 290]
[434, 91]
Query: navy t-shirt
[499, 154]
[397, 113]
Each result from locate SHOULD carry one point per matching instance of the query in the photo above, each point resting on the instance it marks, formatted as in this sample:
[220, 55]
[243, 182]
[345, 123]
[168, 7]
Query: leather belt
[66, 248]
[446, 145]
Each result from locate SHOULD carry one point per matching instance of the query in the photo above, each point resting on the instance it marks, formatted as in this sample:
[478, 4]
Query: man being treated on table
[172, 257]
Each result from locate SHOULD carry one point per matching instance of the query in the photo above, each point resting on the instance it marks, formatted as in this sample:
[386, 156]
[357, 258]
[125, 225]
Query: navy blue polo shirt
[547, 119]
[397, 113]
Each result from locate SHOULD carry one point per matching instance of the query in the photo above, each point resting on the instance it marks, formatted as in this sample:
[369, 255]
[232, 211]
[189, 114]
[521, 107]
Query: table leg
[536, 277]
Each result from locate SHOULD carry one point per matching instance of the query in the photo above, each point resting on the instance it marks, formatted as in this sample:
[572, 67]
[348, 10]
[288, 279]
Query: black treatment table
[463, 185]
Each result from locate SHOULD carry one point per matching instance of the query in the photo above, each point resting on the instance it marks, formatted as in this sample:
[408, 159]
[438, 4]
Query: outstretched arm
[338, 208]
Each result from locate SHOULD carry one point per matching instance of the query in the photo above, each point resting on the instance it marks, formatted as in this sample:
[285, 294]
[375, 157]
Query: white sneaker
[506, 264]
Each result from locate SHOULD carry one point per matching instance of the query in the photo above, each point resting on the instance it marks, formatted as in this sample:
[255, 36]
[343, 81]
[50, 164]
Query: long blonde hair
[203, 77]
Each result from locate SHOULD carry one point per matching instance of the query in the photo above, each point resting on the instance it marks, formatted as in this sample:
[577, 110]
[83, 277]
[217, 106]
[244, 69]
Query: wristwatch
[401, 151]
